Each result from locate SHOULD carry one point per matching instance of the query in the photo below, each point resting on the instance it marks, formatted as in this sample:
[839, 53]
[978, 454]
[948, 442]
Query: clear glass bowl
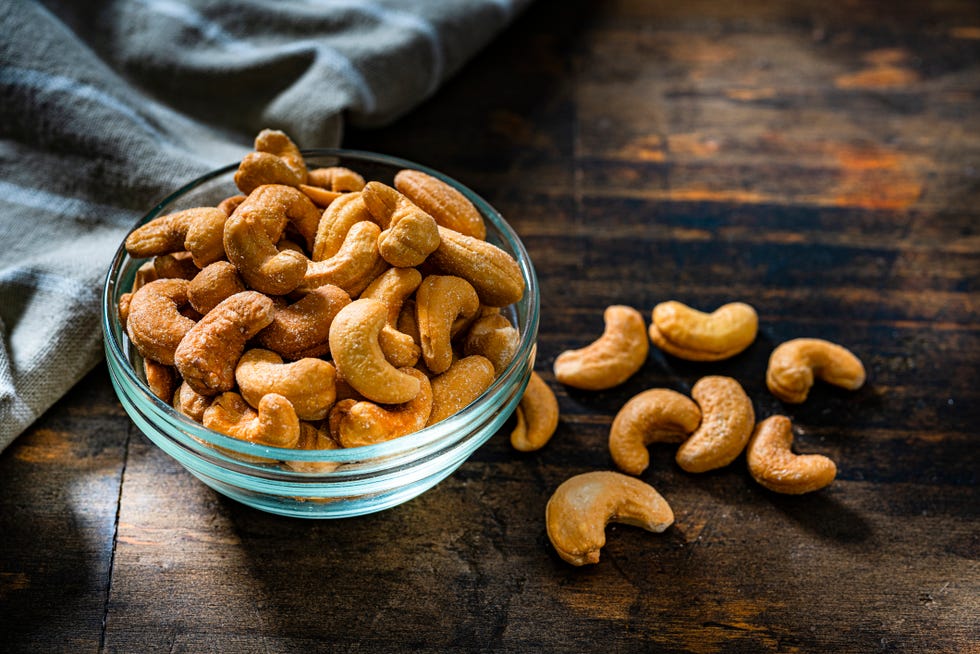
[364, 479]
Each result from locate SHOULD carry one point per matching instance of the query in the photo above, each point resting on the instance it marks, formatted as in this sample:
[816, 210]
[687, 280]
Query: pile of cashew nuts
[318, 310]
[712, 427]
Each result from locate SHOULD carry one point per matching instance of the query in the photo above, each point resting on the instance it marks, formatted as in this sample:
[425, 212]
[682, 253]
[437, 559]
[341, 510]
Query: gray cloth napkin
[106, 107]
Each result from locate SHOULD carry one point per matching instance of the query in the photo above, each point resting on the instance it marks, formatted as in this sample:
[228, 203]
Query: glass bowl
[336, 483]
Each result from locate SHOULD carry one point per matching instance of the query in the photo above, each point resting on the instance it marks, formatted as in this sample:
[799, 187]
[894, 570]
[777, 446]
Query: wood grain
[817, 160]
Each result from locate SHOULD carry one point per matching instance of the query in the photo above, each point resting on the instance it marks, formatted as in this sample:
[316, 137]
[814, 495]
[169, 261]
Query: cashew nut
[337, 220]
[208, 353]
[727, 419]
[169, 233]
[354, 266]
[176, 265]
[336, 178]
[314, 438]
[251, 234]
[610, 360]
[449, 207]
[366, 423]
[399, 348]
[658, 415]
[581, 507]
[274, 424]
[697, 336]
[444, 305]
[229, 204]
[793, 365]
[155, 325]
[307, 383]
[410, 235]
[772, 462]
[537, 416]
[494, 274]
[321, 197]
[303, 328]
[495, 338]
[161, 379]
[190, 403]
[359, 358]
[393, 287]
[464, 381]
[212, 285]
[205, 236]
[276, 160]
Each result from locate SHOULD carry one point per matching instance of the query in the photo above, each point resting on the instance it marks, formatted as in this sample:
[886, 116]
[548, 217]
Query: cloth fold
[106, 107]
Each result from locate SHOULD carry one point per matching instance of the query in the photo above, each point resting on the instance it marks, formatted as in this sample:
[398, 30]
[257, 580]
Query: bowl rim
[427, 436]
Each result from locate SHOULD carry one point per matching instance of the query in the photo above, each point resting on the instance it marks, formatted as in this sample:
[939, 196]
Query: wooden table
[818, 160]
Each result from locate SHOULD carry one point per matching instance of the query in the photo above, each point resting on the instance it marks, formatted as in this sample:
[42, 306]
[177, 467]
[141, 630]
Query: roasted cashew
[359, 358]
[303, 328]
[167, 234]
[278, 143]
[205, 237]
[658, 415]
[337, 220]
[190, 403]
[160, 379]
[410, 235]
[230, 203]
[313, 438]
[336, 178]
[697, 336]
[610, 360]
[449, 207]
[251, 234]
[274, 424]
[464, 381]
[393, 287]
[321, 197]
[727, 419]
[276, 160]
[307, 383]
[494, 274]
[154, 324]
[537, 416]
[208, 353]
[212, 285]
[354, 266]
[399, 348]
[772, 462]
[366, 423]
[176, 265]
[444, 305]
[793, 365]
[493, 337]
[581, 507]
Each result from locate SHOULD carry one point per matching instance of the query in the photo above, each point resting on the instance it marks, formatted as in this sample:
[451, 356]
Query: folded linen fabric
[105, 107]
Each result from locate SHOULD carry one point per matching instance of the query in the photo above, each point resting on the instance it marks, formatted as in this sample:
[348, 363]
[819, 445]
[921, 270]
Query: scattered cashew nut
[610, 360]
[793, 365]
[657, 415]
[537, 416]
[773, 464]
[580, 508]
[697, 336]
[727, 420]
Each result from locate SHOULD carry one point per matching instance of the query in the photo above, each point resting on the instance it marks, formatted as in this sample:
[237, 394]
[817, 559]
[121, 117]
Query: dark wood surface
[818, 160]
